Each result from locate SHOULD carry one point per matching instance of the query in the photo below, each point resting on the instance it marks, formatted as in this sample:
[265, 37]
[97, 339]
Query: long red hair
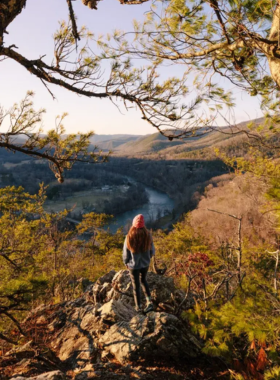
[139, 240]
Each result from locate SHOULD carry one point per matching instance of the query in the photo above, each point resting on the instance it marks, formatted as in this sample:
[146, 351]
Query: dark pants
[136, 276]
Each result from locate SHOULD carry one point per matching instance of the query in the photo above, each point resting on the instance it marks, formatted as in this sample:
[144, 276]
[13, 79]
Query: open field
[78, 199]
[10, 165]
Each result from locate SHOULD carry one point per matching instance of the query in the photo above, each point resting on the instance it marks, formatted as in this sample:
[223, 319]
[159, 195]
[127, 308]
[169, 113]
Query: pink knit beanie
[138, 221]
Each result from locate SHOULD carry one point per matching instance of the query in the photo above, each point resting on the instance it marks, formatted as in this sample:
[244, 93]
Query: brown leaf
[262, 360]
[251, 367]
[253, 345]
[237, 365]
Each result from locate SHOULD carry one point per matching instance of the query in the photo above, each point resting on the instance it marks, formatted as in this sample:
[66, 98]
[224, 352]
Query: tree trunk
[274, 65]
[9, 9]
[274, 35]
[275, 273]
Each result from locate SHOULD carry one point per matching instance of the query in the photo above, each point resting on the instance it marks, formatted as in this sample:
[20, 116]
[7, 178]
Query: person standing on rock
[138, 249]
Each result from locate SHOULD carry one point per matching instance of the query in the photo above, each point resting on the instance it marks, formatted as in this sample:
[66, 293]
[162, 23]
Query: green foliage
[60, 150]
[43, 260]
[237, 317]
[92, 222]
[216, 43]
[242, 320]
[233, 43]
[272, 374]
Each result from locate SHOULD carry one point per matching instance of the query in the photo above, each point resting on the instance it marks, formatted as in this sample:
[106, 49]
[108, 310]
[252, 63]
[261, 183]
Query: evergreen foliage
[25, 135]
[44, 259]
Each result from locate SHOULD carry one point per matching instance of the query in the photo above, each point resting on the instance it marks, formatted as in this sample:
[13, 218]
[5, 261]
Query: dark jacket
[137, 260]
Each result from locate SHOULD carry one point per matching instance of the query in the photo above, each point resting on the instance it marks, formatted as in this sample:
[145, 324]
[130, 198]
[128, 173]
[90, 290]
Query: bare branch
[73, 21]
[6, 339]
[224, 213]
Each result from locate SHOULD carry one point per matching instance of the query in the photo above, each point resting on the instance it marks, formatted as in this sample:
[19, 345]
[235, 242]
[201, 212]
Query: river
[158, 201]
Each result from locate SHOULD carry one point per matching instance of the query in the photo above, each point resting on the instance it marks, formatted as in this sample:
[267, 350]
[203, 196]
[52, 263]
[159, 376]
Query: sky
[32, 33]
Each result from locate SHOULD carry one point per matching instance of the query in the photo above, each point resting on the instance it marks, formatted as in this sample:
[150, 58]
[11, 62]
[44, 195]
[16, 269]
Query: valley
[120, 187]
[211, 226]
[151, 249]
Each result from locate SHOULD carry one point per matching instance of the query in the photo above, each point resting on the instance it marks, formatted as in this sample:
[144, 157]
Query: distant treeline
[183, 180]
[133, 198]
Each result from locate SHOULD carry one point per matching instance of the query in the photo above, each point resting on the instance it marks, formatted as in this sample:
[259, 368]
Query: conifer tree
[25, 135]
[44, 259]
[21, 241]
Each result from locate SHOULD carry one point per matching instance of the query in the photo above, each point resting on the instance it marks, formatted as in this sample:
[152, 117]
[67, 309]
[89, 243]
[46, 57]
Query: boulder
[74, 340]
[27, 361]
[53, 375]
[108, 277]
[98, 291]
[115, 311]
[100, 375]
[152, 337]
[23, 352]
[71, 330]
[118, 287]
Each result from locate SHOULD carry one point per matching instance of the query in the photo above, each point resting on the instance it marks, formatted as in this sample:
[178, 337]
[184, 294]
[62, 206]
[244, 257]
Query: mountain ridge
[156, 143]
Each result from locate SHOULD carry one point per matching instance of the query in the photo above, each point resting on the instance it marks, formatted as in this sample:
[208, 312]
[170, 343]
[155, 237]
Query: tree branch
[8, 259]
[73, 21]
[214, 5]
[3, 337]
[15, 322]
[224, 213]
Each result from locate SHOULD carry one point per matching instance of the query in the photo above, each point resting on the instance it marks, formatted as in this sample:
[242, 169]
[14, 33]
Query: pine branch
[76, 34]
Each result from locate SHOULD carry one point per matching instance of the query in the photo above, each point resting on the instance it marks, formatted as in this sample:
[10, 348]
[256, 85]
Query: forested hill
[153, 145]
[131, 144]
[112, 142]
[146, 144]
[157, 144]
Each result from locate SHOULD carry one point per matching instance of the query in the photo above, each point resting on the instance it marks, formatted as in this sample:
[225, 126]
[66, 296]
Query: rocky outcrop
[158, 335]
[54, 375]
[99, 335]
[118, 286]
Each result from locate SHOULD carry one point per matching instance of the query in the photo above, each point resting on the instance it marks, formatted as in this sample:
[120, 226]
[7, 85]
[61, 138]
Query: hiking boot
[149, 308]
